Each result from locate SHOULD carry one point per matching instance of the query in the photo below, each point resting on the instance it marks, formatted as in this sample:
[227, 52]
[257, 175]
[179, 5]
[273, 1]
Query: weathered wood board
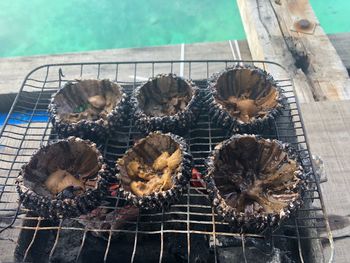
[328, 130]
[341, 42]
[13, 70]
[310, 58]
[9, 198]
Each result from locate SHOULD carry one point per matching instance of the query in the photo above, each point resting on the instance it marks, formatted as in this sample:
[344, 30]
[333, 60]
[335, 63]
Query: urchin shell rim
[114, 119]
[258, 222]
[222, 118]
[67, 208]
[188, 116]
[163, 198]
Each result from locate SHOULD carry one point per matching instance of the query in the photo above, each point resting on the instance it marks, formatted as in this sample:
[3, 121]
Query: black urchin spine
[54, 208]
[178, 123]
[238, 221]
[223, 119]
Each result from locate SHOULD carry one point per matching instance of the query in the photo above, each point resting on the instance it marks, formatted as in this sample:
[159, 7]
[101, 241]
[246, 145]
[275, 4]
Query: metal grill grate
[190, 230]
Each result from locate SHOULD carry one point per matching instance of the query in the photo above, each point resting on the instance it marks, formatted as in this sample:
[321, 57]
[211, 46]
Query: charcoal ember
[176, 249]
[167, 103]
[254, 183]
[244, 99]
[68, 247]
[40, 246]
[89, 109]
[197, 179]
[64, 179]
[255, 249]
[155, 171]
[252, 254]
[106, 218]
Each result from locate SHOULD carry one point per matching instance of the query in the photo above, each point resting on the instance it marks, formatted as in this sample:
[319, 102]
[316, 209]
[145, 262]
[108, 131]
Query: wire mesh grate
[189, 231]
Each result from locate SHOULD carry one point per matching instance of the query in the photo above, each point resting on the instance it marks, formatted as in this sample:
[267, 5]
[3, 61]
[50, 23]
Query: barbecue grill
[189, 231]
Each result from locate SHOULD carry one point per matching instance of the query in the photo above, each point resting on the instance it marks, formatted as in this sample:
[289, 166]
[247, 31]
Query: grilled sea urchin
[64, 179]
[254, 183]
[167, 103]
[88, 108]
[244, 99]
[155, 171]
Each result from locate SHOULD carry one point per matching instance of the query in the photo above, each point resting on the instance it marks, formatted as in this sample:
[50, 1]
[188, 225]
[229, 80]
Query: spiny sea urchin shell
[155, 171]
[254, 183]
[64, 179]
[244, 99]
[88, 108]
[167, 103]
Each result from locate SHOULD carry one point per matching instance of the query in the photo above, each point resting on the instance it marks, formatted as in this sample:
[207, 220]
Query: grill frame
[27, 123]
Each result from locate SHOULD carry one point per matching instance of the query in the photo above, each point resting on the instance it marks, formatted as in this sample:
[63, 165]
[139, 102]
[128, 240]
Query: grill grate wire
[27, 127]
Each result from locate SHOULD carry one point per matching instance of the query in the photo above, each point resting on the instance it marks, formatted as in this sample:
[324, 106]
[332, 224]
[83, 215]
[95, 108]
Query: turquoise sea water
[333, 15]
[32, 27]
[50, 27]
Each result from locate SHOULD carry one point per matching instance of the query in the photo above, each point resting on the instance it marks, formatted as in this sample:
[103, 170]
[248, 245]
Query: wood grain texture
[13, 70]
[269, 29]
[328, 129]
[341, 42]
[9, 198]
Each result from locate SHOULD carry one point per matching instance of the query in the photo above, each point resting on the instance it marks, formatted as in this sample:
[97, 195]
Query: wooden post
[288, 32]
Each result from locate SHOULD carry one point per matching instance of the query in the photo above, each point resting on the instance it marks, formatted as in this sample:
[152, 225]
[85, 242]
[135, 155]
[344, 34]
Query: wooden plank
[13, 70]
[225, 50]
[310, 59]
[328, 129]
[341, 42]
[9, 199]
